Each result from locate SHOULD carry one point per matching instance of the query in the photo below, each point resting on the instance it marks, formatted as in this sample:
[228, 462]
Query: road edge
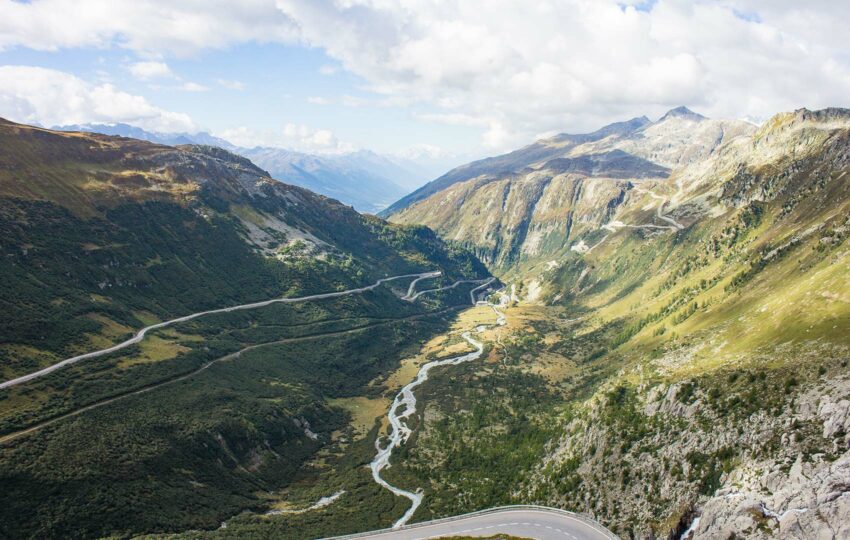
[495, 510]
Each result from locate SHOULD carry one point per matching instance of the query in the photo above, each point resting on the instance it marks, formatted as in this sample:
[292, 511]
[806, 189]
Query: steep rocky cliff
[558, 190]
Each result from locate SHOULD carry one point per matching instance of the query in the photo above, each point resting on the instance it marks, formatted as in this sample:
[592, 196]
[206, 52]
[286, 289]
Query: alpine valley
[236, 411]
[679, 328]
[658, 339]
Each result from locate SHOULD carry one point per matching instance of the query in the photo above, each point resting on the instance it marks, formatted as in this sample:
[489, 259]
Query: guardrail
[579, 517]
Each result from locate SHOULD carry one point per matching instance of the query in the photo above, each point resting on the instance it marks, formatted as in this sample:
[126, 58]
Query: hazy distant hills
[363, 179]
[133, 132]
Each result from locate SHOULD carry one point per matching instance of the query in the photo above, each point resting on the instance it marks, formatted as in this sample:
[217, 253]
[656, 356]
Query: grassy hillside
[101, 233]
[697, 369]
[101, 236]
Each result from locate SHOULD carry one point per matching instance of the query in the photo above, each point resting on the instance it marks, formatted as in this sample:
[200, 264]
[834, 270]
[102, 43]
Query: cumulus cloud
[291, 136]
[36, 95]
[516, 68]
[146, 26]
[147, 71]
[511, 68]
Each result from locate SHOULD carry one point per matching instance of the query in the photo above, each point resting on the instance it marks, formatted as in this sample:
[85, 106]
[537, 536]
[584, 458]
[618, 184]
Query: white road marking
[585, 529]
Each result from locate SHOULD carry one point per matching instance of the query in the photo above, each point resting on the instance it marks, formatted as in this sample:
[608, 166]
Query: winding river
[404, 406]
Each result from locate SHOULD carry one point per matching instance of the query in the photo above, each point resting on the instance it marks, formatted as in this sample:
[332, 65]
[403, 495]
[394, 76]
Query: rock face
[554, 191]
[710, 271]
[809, 500]
[523, 215]
[800, 489]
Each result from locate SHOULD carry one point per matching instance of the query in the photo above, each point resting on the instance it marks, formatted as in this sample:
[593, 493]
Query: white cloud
[193, 87]
[511, 68]
[50, 97]
[151, 70]
[318, 100]
[291, 136]
[231, 84]
[151, 27]
[516, 68]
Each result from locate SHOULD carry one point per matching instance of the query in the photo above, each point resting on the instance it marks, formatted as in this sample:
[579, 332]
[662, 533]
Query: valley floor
[548, 414]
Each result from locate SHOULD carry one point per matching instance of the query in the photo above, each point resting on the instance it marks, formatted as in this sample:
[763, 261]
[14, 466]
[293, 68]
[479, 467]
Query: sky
[417, 78]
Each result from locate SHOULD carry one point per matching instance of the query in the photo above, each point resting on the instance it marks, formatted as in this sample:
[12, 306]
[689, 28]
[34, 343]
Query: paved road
[659, 213]
[411, 290]
[538, 523]
[145, 389]
[140, 335]
[410, 296]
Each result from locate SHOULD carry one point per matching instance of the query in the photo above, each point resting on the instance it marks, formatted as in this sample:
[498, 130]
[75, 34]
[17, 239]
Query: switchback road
[140, 335]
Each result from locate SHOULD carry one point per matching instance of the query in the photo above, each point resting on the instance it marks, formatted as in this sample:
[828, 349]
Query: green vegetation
[192, 454]
[693, 361]
[666, 362]
[213, 417]
[487, 434]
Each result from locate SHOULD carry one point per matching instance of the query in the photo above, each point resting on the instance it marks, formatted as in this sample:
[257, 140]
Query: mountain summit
[682, 112]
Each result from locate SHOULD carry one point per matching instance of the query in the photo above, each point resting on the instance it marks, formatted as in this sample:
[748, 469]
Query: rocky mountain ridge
[678, 137]
[364, 179]
[698, 318]
[701, 155]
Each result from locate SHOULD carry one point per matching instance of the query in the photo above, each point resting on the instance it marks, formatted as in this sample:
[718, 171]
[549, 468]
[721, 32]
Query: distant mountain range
[678, 137]
[363, 179]
[554, 190]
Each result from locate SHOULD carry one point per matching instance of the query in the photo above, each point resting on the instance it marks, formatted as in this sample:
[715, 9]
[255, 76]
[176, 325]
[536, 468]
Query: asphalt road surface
[140, 335]
[537, 523]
